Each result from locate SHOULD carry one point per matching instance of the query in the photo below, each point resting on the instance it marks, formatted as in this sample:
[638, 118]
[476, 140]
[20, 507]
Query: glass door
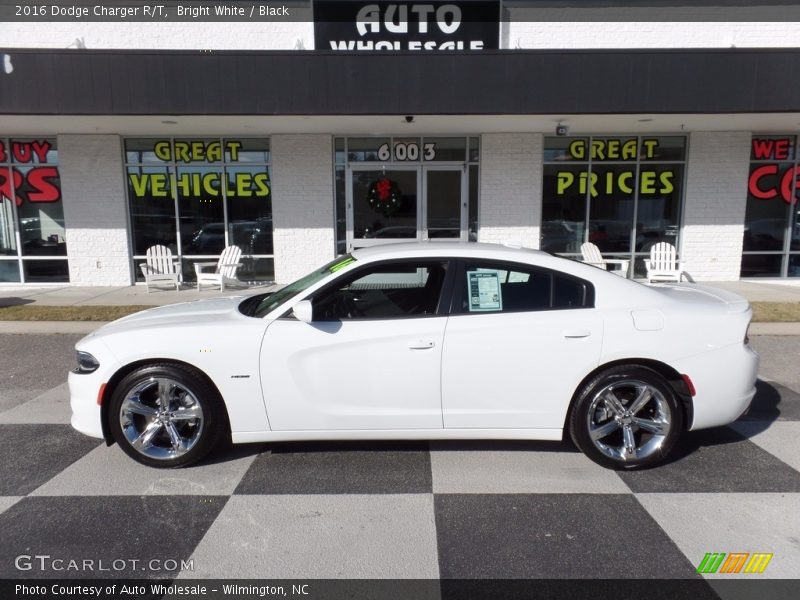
[444, 203]
[405, 204]
[383, 205]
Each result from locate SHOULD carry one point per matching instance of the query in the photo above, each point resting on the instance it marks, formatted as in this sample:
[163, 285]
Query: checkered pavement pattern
[403, 510]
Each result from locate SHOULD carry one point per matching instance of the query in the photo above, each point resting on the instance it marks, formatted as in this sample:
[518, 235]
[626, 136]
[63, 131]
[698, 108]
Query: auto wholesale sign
[348, 26]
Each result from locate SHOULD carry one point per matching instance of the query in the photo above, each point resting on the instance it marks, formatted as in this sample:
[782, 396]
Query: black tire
[602, 408]
[194, 412]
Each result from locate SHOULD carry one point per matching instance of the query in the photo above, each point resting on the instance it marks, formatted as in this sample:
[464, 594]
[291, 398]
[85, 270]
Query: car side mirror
[304, 311]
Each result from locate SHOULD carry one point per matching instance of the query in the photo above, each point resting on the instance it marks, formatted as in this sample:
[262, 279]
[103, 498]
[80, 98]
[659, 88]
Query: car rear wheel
[166, 415]
[627, 417]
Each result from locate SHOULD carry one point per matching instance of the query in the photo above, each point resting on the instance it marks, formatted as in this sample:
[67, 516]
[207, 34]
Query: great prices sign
[352, 26]
[652, 180]
[27, 179]
[779, 175]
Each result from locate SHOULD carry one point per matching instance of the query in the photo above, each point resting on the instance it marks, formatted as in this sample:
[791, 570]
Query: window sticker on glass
[484, 291]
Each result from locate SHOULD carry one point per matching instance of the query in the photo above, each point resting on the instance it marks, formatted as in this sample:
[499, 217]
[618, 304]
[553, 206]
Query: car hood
[691, 293]
[199, 311]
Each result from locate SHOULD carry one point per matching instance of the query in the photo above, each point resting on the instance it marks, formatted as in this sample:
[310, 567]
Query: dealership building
[350, 124]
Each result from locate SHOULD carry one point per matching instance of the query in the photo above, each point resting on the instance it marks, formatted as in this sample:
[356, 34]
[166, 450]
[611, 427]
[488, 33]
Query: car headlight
[86, 363]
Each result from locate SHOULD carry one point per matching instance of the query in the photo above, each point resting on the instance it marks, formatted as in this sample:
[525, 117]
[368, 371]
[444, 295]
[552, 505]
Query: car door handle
[577, 333]
[420, 345]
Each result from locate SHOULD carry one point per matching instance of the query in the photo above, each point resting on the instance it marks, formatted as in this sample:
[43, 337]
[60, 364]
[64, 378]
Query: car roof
[469, 249]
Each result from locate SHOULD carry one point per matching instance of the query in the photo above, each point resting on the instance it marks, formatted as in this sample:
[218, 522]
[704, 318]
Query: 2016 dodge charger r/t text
[424, 341]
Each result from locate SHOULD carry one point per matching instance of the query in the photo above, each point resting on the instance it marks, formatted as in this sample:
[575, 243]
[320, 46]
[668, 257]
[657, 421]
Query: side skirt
[244, 437]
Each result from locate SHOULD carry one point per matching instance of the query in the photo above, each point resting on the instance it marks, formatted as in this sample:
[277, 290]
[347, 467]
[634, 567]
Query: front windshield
[273, 301]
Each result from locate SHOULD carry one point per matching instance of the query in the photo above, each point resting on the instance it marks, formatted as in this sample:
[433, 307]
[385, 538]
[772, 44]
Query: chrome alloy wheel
[161, 418]
[628, 419]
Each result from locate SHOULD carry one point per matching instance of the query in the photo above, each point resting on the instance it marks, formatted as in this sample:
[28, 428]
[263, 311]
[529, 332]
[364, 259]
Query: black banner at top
[364, 26]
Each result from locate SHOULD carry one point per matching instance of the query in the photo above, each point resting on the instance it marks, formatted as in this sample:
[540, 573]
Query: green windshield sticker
[341, 264]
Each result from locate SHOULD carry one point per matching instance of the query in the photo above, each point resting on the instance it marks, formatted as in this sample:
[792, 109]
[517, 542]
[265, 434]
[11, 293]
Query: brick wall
[511, 188]
[302, 206]
[715, 202]
[95, 209]
[175, 35]
[527, 28]
[580, 31]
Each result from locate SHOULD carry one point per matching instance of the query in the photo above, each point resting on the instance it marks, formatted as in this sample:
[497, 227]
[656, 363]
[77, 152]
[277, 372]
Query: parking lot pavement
[25, 373]
[402, 509]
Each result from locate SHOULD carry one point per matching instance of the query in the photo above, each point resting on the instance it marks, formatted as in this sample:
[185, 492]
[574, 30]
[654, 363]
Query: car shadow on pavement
[506, 445]
[771, 402]
[229, 452]
[768, 405]
[693, 441]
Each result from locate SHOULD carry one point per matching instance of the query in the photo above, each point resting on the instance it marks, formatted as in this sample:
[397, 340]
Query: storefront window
[197, 196]
[771, 245]
[33, 244]
[622, 193]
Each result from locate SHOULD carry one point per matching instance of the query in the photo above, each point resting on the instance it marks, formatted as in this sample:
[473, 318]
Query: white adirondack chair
[663, 266]
[591, 256]
[224, 272]
[160, 267]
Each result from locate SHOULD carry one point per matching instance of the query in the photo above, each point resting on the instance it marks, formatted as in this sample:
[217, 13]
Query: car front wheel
[166, 415]
[627, 417]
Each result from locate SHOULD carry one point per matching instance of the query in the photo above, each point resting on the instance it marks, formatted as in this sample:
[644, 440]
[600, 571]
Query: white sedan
[424, 341]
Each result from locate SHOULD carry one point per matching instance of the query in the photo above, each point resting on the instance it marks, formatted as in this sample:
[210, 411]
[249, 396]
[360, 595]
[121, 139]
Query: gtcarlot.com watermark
[48, 563]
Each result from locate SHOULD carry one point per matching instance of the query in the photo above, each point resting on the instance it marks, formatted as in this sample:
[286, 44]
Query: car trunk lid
[691, 293]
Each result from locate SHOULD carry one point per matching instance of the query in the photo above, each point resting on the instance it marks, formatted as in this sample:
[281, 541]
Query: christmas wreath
[384, 196]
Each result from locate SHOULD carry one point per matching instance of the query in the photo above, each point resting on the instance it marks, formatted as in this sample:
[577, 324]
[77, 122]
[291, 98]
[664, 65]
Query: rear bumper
[83, 390]
[725, 382]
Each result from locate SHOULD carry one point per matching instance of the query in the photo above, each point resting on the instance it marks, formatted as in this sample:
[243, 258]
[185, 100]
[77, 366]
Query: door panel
[359, 374]
[444, 204]
[517, 369]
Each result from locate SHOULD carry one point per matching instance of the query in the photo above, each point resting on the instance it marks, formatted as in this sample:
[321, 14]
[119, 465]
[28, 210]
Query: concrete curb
[46, 327]
[774, 328]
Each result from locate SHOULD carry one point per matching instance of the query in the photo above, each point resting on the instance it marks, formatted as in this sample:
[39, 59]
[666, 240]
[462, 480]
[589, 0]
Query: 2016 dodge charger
[424, 341]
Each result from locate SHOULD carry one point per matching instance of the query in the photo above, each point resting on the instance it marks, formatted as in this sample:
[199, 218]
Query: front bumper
[83, 392]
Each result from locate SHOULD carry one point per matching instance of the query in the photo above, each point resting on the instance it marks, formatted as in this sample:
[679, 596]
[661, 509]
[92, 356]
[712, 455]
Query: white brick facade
[528, 29]
[95, 209]
[715, 203]
[510, 206]
[161, 36]
[302, 209]
[575, 33]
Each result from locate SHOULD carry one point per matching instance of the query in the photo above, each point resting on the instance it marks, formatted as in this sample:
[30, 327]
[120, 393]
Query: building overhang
[506, 82]
[368, 125]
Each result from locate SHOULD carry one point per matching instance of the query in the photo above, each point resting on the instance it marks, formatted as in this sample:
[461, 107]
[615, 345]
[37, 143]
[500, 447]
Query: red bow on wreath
[384, 188]
[384, 196]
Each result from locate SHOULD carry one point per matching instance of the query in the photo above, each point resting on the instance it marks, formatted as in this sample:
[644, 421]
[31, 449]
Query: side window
[506, 287]
[396, 290]
[568, 292]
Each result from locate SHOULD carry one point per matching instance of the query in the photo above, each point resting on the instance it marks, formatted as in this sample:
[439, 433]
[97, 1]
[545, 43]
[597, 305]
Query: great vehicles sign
[349, 26]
